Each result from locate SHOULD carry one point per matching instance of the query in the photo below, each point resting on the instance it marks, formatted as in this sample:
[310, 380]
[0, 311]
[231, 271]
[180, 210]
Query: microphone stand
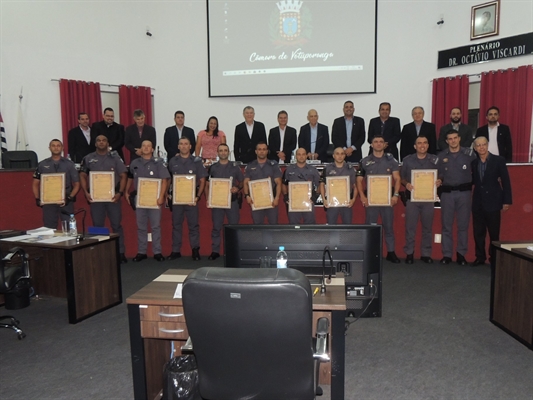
[323, 284]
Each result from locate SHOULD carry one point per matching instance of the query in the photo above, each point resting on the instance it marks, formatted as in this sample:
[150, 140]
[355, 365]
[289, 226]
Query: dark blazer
[392, 133]
[339, 137]
[409, 137]
[171, 139]
[322, 140]
[491, 193]
[78, 146]
[243, 145]
[114, 134]
[132, 140]
[289, 143]
[465, 133]
[505, 145]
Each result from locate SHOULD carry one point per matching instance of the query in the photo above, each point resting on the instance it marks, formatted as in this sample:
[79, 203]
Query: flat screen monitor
[355, 249]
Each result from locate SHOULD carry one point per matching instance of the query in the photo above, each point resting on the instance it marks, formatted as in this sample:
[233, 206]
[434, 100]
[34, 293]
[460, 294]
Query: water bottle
[73, 230]
[293, 157]
[281, 258]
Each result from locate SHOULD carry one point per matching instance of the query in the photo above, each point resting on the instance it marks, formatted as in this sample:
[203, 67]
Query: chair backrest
[19, 159]
[11, 273]
[251, 331]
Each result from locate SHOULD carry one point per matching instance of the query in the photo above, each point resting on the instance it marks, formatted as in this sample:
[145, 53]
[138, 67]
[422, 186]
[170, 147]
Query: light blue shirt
[314, 134]
[349, 126]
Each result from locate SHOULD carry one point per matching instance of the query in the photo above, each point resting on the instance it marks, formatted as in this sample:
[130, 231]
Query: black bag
[181, 379]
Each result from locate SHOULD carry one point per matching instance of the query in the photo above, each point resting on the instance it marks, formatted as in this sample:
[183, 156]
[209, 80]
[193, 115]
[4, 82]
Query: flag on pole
[3, 134]
[22, 142]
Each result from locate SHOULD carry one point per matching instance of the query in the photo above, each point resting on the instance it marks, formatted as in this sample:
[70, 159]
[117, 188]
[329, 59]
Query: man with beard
[464, 131]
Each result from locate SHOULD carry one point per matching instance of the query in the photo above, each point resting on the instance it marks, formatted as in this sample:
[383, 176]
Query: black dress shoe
[213, 256]
[139, 257]
[427, 260]
[446, 260]
[123, 259]
[409, 259]
[159, 257]
[461, 259]
[196, 254]
[478, 262]
[174, 255]
[392, 257]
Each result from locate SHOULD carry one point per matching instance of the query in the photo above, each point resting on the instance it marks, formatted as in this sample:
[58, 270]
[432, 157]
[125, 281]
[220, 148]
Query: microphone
[65, 212]
[323, 284]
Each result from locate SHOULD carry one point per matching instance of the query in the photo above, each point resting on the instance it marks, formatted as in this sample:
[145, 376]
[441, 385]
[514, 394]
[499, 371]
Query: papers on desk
[509, 246]
[56, 239]
[17, 238]
[170, 278]
[177, 293]
[42, 231]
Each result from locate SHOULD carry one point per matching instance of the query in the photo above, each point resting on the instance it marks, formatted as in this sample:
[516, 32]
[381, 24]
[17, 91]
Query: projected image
[291, 47]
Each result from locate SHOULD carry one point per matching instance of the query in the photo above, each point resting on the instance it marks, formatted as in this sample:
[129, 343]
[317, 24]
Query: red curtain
[76, 97]
[512, 92]
[132, 98]
[448, 93]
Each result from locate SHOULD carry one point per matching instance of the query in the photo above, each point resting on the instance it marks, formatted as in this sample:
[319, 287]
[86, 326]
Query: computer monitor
[356, 251]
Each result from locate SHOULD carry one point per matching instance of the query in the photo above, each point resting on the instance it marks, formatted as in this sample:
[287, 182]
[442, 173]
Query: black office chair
[19, 159]
[251, 332]
[15, 286]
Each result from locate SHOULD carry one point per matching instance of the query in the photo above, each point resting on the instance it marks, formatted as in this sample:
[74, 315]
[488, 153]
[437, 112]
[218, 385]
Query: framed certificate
[423, 181]
[220, 192]
[52, 188]
[300, 197]
[102, 185]
[338, 191]
[379, 190]
[183, 189]
[148, 192]
[261, 193]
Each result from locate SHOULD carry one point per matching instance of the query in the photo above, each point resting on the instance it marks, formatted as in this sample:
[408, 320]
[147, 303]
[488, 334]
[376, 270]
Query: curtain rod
[481, 73]
[105, 84]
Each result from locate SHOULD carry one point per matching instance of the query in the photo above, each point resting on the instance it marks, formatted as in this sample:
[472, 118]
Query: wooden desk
[86, 273]
[511, 295]
[157, 321]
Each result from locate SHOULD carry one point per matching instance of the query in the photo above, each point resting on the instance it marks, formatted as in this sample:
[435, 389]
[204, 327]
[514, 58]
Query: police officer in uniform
[339, 168]
[224, 169]
[299, 172]
[103, 160]
[455, 172]
[381, 163]
[186, 164]
[415, 210]
[53, 165]
[262, 168]
[148, 166]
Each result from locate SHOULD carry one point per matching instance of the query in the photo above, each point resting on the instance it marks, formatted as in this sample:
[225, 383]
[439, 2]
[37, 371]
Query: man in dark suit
[281, 140]
[386, 126]
[498, 135]
[492, 193]
[348, 132]
[137, 133]
[111, 130]
[465, 132]
[417, 128]
[173, 134]
[314, 138]
[247, 135]
[80, 139]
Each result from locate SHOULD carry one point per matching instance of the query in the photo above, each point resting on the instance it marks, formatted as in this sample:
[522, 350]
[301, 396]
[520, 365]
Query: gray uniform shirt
[151, 168]
[269, 169]
[455, 168]
[308, 173]
[63, 165]
[345, 170]
[385, 165]
[412, 162]
[187, 166]
[106, 162]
